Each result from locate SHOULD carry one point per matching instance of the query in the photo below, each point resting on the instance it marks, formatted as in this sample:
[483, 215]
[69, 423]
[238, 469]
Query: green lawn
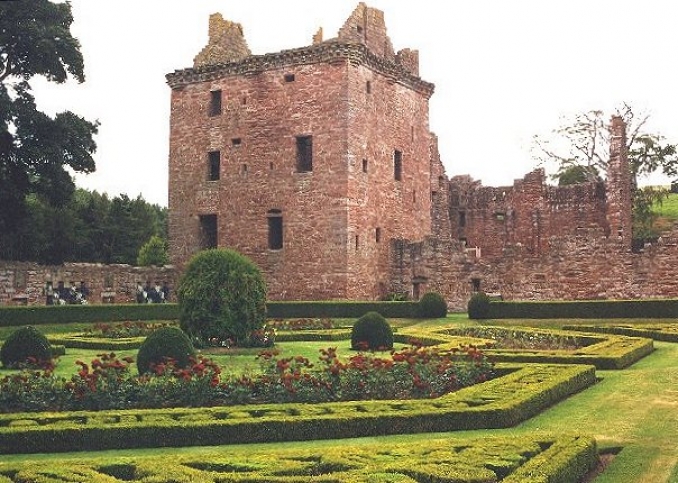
[668, 207]
[635, 409]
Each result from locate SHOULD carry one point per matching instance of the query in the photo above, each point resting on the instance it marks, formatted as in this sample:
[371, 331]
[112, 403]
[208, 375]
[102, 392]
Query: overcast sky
[503, 70]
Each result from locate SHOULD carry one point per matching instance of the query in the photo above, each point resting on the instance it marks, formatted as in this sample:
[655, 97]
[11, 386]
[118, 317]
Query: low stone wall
[23, 283]
[584, 266]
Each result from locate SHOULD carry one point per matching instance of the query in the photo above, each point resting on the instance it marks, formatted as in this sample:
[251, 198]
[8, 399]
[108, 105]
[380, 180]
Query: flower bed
[107, 383]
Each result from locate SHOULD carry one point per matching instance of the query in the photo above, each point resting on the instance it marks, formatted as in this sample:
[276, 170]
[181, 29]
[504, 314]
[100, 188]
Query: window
[364, 166]
[243, 169]
[236, 142]
[462, 219]
[357, 242]
[208, 231]
[275, 229]
[377, 235]
[215, 103]
[289, 77]
[271, 166]
[368, 87]
[304, 154]
[214, 165]
[414, 196]
[475, 283]
[397, 165]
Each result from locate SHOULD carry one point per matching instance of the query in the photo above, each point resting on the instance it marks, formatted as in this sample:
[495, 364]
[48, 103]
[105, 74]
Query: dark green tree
[153, 252]
[37, 152]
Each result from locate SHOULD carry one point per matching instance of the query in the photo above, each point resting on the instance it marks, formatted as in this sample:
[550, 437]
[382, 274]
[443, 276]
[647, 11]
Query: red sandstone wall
[267, 113]
[24, 283]
[586, 265]
[387, 118]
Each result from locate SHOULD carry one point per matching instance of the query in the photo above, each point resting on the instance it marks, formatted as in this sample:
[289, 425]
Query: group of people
[153, 294]
[63, 295]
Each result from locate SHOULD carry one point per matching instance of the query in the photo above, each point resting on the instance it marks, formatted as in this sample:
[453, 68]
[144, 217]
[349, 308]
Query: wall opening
[275, 229]
[357, 242]
[368, 87]
[215, 103]
[214, 165]
[475, 285]
[397, 165]
[289, 77]
[377, 235]
[304, 154]
[462, 219]
[364, 166]
[208, 231]
[236, 141]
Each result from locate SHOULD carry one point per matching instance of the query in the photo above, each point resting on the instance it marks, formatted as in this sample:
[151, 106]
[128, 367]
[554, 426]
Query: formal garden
[334, 392]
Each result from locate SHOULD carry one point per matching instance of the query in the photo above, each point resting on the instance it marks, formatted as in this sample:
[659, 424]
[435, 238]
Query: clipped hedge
[545, 458]
[586, 309]
[64, 314]
[499, 403]
[341, 309]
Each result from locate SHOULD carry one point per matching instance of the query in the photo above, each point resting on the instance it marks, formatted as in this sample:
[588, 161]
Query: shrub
[222, 295]
[432, 306]
[166, 343]
[25, 346]
[372, 332]
[479, 306]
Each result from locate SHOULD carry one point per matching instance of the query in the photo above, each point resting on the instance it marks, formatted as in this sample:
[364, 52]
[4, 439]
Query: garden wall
[24, 283]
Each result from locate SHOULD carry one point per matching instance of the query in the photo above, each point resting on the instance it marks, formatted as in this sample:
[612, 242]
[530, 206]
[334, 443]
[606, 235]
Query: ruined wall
[23, 283]
[526, 214]
[583, 266]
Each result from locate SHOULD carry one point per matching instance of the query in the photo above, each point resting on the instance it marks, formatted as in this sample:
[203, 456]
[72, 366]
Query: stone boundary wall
[25, 283]
[584, 266]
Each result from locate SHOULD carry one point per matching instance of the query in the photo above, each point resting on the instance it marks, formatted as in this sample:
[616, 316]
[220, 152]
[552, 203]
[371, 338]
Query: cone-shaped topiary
[165, 343]
[25, 346]
[222, 295]
[479, 306]
[372, 332]
[432, 306]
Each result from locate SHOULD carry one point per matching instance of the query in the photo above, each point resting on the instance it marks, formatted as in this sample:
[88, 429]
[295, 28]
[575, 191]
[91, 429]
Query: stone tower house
[308, 160]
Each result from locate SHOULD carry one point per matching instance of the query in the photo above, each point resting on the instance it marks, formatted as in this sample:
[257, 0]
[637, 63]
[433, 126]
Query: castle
[318, 163]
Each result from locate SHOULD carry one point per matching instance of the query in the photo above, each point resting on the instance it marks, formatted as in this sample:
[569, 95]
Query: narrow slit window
[397, 165]
[275, 229]
[304, 154]
[214, 165]
[208, 231]
[215, 103]
[357, 242]
[462, 219]
[377, 235]
[364, 166]
[243, 169]
[368, 87]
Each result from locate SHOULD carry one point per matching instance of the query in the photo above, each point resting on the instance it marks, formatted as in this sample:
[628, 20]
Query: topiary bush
[432, 306]
[222, 295]
[372, 332]
[165, 343]
[25, 346]
[479, 306]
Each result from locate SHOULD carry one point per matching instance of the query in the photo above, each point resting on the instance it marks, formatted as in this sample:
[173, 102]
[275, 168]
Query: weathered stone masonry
[308, 160]
[371, 210]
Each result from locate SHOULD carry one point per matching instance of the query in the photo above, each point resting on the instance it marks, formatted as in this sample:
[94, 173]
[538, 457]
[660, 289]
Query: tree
[153, 252]
[580, 150]
[581, 147]
[37, 152]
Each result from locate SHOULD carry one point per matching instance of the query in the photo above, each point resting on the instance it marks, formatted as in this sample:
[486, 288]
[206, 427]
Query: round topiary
[165, 343]
[479, 306]
[372, 332]
[222, 295]
[432, 306]
[25, 346]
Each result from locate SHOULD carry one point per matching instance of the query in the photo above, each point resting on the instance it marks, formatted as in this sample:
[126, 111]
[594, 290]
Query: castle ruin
[318, 163]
